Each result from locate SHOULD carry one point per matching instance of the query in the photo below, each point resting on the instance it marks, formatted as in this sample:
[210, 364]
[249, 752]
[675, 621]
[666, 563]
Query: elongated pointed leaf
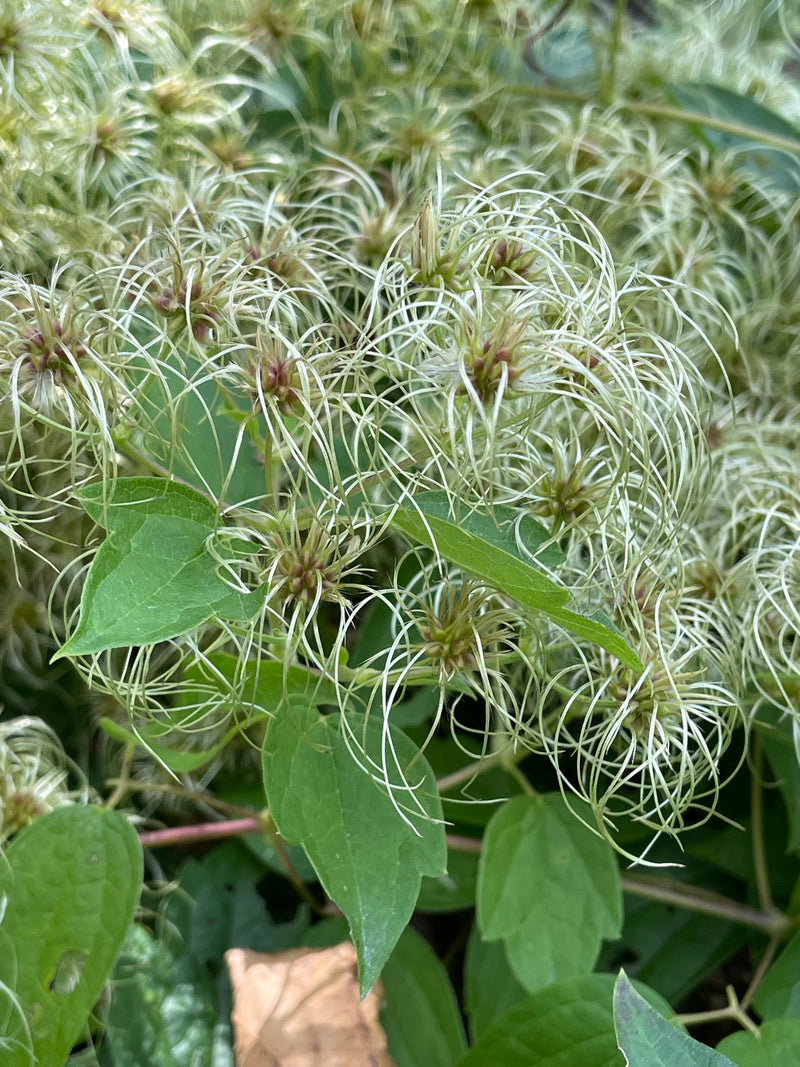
[369, 860]
[71, 881]
[647, 1039]
[549, 888]
[261, 683]
[599, 630]
[265, 684]
[147, 738]
[152, 578]
[488, 546]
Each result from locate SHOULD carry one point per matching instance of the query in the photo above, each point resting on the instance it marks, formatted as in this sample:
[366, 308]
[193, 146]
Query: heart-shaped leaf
[153, 577]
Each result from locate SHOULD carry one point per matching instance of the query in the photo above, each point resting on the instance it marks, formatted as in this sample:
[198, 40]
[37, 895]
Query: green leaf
[163, 1008]
[780, 166]
[264, 684]
[671, 949]
[420, 1013]
[568, 1024]
[778, 1045]
[71, 881]
[217, 906]
[171, 1001]
[175, 760]
[776, 735]
[455, 890]
[648, 1040]
[465, 540]
[369, 860]
[778, 995]
[599, 629]
[548, 887]
[490, 986]
[487, 545]
[190, 429]
[152, 578]
[260, 683]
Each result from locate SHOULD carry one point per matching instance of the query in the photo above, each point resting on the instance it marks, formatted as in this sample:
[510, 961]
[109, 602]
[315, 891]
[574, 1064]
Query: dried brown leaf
[300, 1008]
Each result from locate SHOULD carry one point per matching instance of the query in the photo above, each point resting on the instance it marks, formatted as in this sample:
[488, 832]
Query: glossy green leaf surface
[549, 888]
[488, 546]
[420, 1012]
[152, 578]
[568, 1024]
[490, 986]
[647, 1039]
[368, 858]
[778, 1045]
[71, 881]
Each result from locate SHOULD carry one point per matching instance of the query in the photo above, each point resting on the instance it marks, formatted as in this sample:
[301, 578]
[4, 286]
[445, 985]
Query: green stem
[757, 830]
[126, 785]
[773, 923]
[609, 76]
[522, 780]
[271, 830]
[120, 790]
[734, 1011]
[761, 970]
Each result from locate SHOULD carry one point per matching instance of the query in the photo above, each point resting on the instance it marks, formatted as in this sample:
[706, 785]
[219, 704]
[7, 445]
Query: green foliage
[540, 868]
[490, 986]
[779, 993]
[398, 470]
[369, 845]
[648, 1040]
[567, 1024]
[70, 883]
[421, 1017]
[488, 546]
[153, 577]
[171, 997]
[775, 1046]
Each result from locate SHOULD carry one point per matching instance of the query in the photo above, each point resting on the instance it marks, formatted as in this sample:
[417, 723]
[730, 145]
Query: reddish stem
[207, 831]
